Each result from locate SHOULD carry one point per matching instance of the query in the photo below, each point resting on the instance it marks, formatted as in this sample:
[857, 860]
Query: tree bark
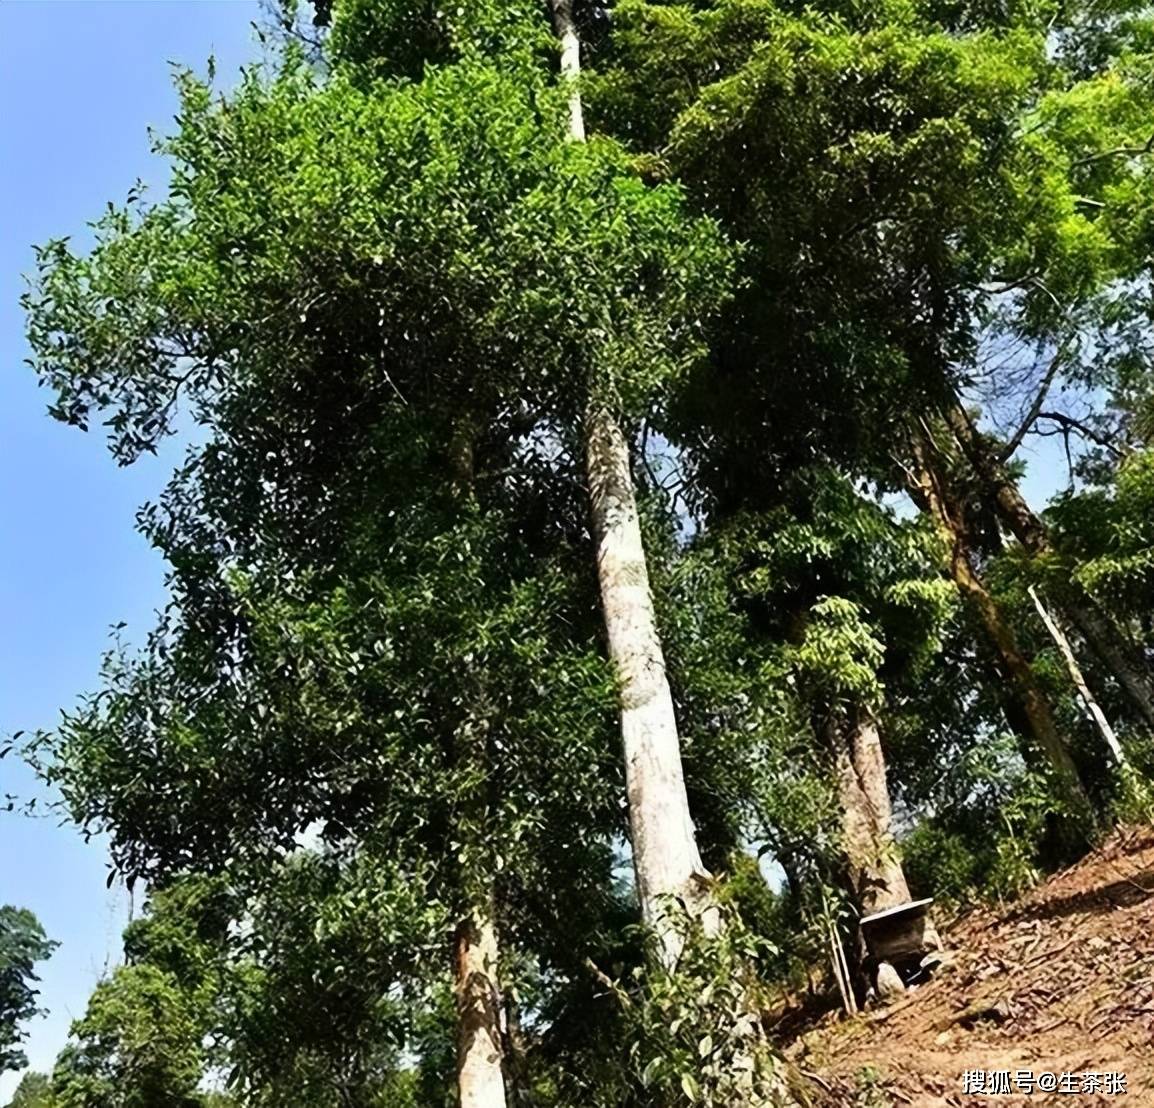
[671, 878]
[566, 30]
[1075, 671]
[1114, 651]
[480, 1075]
[673, 886]
[516, 1052]
[873, 866]
[666, 860]
[1104, 637]
[1028, 707]
[665, 855]
[480, 1063]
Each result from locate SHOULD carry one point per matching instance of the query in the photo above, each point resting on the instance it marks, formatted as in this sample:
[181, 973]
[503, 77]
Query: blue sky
[80, 83]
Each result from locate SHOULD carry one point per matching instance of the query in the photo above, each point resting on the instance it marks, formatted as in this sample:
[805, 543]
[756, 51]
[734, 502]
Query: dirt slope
[1062, 982]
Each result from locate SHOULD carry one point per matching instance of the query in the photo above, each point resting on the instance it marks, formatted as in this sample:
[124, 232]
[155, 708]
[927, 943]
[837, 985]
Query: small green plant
[698, 1032]
[1135, 802]
[870, 1092]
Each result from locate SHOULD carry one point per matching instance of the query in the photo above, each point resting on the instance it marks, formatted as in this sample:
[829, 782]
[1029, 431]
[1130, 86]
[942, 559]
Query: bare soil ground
[1060, 982]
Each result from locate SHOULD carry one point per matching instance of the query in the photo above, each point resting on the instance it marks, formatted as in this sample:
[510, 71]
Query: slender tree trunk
[480, 1075]
[1075, 671]
[1104, 637]
[480, 1063]
[666, 860]
[932, 494]
[516, 1056]
[671, 878]
[665, 855]
[566, 30]
[1114, 651]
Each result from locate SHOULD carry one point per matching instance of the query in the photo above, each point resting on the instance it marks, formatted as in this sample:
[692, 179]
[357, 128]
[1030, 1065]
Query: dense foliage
[22, 944]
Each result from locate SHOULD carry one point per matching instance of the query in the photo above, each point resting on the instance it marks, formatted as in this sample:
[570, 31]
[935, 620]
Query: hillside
[1060, 982]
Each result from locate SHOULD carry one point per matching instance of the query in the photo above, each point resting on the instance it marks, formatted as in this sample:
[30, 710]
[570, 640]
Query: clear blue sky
[80, 83]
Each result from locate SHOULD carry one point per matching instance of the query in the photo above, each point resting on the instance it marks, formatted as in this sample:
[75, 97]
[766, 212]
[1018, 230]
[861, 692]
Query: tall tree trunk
[671, 878]
[1104, 637]
[666, 860]
[1075, 671]
[480, 1065]
[933, 495]
[480, 1075]
[566, 30]
[1114, 650]
[665, 855]
[873, 866]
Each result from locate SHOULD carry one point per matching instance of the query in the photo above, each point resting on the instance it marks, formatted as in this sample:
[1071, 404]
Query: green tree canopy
[22, 944]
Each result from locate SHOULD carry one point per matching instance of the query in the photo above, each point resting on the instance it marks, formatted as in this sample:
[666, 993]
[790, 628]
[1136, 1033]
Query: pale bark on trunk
[672, 881]
[1116, 654]
[933, 496]
[570, 64]
[480, 1064]
[872, 860]
[665, 855]
[480, 1074]
[1104, 637]
[873, 866]
[1075, 671]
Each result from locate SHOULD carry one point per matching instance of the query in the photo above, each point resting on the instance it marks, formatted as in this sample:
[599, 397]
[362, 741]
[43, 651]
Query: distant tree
[34, 1091]
[143, 1039]
[136, 1047]
[22, 944]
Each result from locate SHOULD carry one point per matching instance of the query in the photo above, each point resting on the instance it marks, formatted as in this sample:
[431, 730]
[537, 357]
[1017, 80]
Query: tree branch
[1015, 439]
[610, 985]
[1118, 152]
[1070, 423]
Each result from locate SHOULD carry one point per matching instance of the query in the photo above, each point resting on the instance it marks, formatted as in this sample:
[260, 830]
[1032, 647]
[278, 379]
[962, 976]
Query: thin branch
[643, 453]
[1000, 285]
[1038, 283]
[622, 996]
[1035, 408]
[1118, 152]
[1070, 423]
[1129, 880]
[1069, 458]
[911, 480]
[1075, 671]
